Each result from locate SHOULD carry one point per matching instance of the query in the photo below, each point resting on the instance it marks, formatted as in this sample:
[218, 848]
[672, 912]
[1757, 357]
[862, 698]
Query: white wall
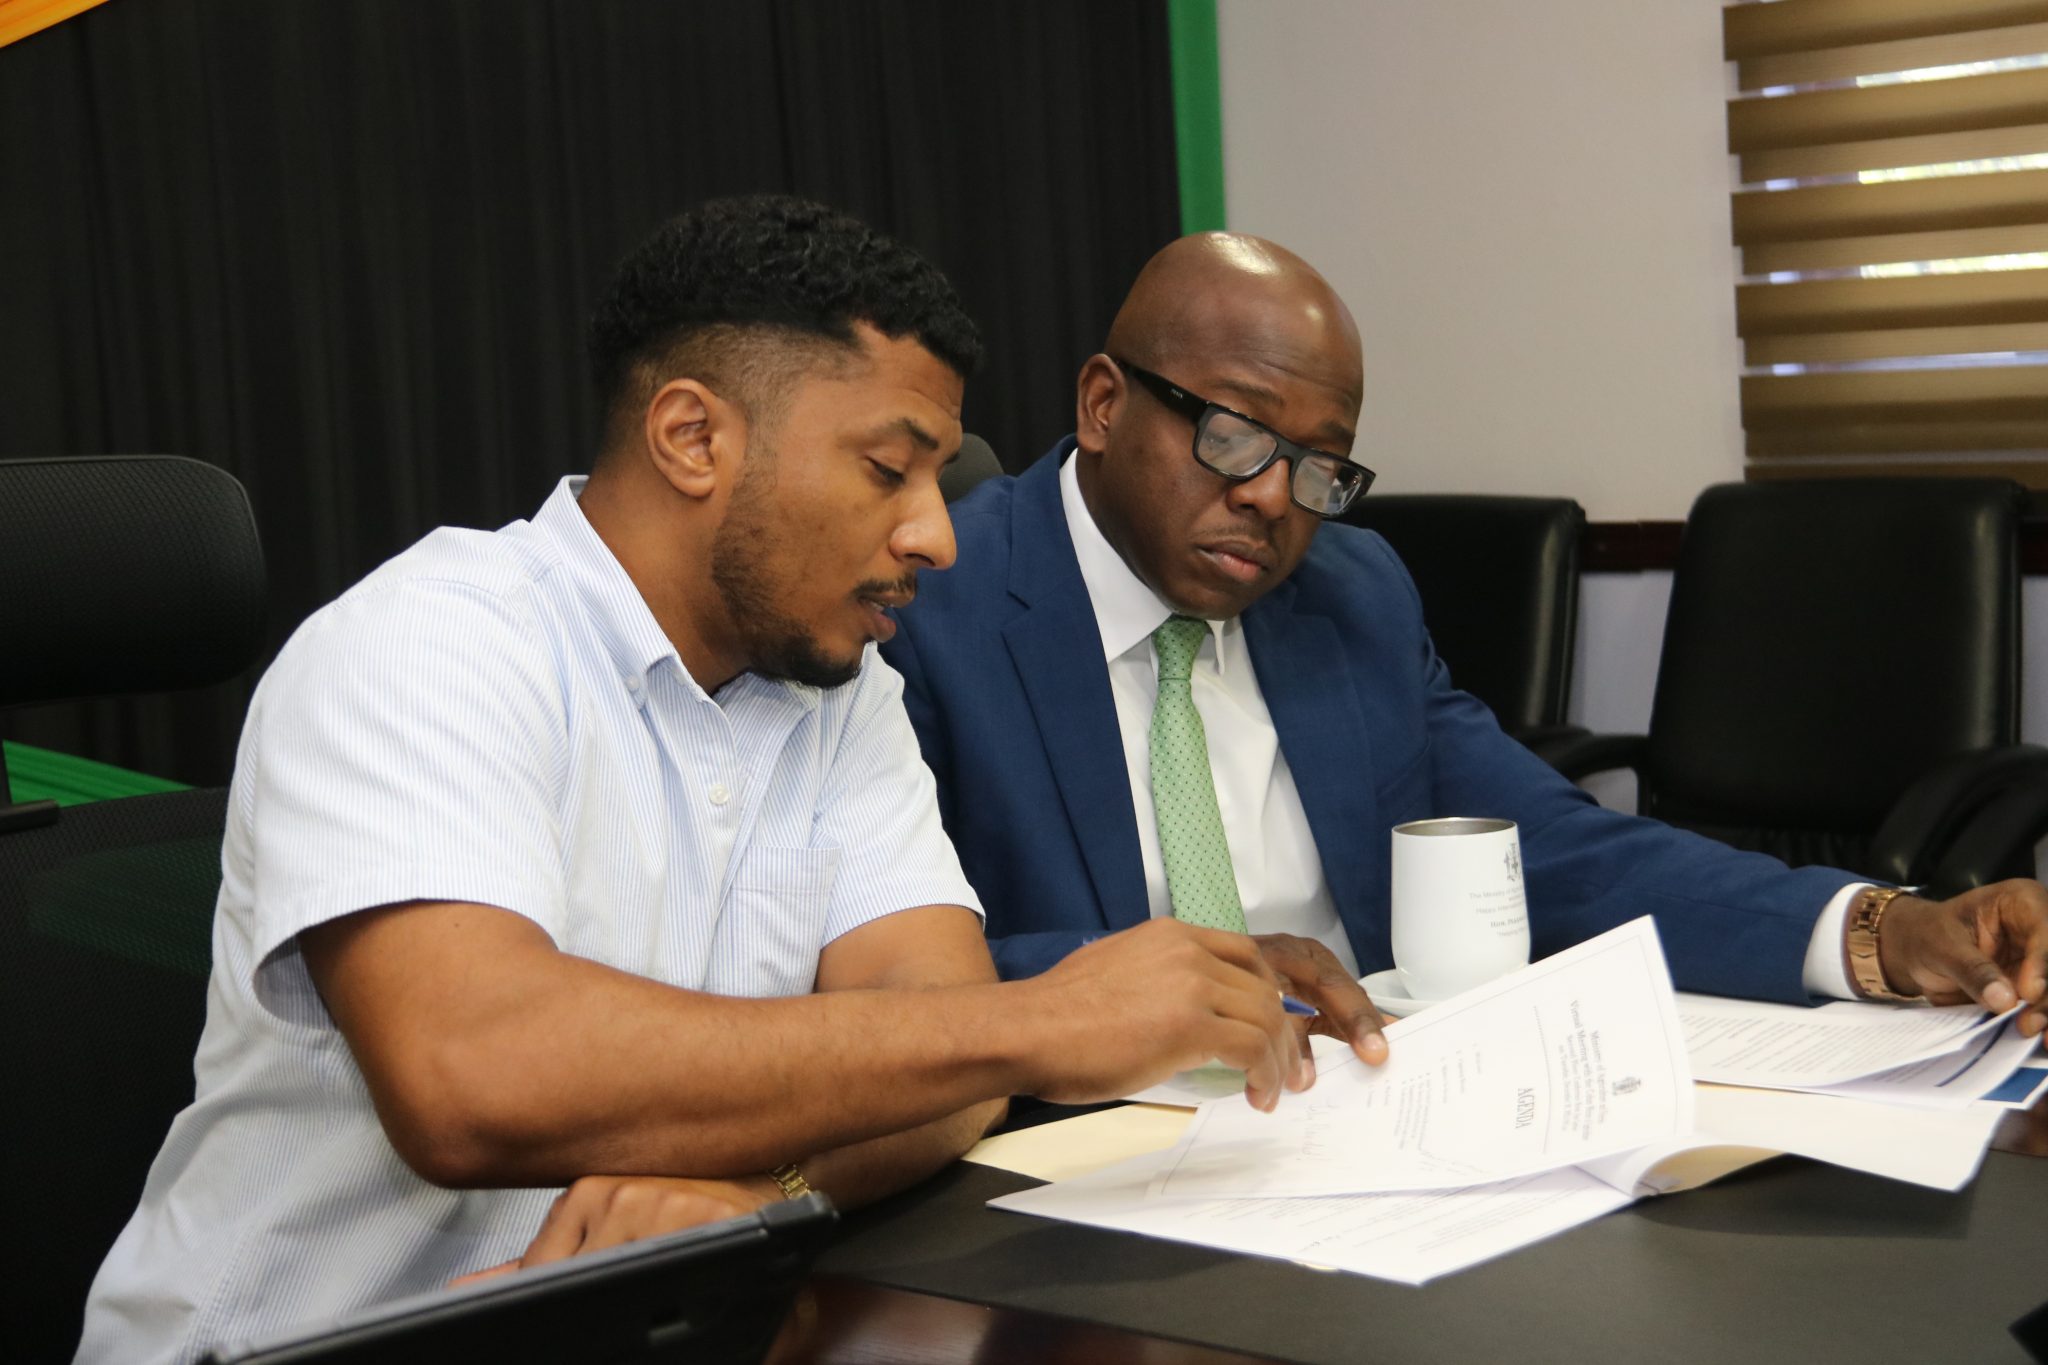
[1525, 202]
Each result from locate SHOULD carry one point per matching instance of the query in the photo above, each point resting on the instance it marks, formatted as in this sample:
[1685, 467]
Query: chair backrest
[118, 574]
[1499, 579]
[105, 941]
[977, 461]
[1828, 641]
[122, 574]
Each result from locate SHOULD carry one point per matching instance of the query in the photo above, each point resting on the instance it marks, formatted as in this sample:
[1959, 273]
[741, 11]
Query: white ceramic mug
[1460, 917]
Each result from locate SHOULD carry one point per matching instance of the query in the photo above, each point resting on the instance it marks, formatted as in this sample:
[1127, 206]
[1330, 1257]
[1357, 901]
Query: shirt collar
[631, 636]
[1126, 610]
[630, 633]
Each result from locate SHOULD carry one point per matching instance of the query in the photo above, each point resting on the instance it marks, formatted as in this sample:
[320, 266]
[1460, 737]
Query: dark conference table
[1789, 1261]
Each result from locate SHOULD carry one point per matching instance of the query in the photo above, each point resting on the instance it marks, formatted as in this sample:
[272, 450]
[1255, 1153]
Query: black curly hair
[746, 291]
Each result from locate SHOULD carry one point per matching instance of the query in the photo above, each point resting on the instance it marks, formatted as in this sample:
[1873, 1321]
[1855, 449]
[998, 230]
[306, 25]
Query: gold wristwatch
[792, 1181]
[1859, 943]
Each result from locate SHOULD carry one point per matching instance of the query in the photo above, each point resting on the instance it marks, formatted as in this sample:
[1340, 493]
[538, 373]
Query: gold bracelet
[1859, 944]
[792, 1181]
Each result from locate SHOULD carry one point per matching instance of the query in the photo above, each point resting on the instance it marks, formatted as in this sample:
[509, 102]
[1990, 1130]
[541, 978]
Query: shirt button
[719, 794]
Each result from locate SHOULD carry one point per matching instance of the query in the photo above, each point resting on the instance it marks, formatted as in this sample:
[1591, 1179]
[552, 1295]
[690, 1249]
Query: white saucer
[1386, 992]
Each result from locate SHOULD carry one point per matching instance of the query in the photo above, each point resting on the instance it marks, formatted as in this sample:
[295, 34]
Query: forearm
[598, 1211]
[495, 1060]
[866, 1171]
[545, 1066]
[631, 1077]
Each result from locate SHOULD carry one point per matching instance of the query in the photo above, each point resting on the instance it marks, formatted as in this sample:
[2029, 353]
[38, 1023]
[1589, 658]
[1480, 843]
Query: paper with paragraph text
[1571, 1058]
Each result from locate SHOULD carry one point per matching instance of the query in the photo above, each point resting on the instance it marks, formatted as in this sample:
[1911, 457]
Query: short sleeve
[409, 745]
[879, 807]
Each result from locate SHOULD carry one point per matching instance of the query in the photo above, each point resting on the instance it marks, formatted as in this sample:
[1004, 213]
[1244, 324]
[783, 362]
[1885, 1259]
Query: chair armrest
[26, 814]
[1579, 757]
[1915, 837]
[1542, 739]
[1997, 841]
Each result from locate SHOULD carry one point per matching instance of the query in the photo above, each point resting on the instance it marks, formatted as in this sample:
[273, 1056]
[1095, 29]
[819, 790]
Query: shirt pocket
[774, 923]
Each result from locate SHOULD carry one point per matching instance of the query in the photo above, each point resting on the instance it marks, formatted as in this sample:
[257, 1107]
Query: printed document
[1411, 1238]
[1572, 1058]
[1794, 1047]
[1954, 1080]
[1406, 1238]
[1450, 1154]
[1736, 1126]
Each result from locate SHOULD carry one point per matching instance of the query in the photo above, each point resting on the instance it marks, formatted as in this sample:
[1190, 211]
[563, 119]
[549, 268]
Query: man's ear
[694, 438]
[1098, 395]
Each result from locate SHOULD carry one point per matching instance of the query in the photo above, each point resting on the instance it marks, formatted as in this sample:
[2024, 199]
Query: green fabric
[1199, 876]
[149, 905]
[1197, 112]
[42, 775]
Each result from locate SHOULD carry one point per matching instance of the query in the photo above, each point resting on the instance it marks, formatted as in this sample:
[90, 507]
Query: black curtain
[346, 251]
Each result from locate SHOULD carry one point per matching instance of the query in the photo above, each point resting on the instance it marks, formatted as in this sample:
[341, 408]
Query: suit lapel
[1305, 678]
[1057, 651]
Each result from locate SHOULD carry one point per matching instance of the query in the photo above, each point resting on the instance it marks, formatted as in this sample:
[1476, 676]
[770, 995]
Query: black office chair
[1840, 679]
[1499, 579]
[975, 463]
[118, 575]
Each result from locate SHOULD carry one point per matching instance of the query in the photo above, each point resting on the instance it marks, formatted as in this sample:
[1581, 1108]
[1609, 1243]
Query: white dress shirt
[491, 717]
[1279, 873]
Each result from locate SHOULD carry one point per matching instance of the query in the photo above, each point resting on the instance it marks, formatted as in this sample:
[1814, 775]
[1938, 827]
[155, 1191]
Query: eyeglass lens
[1237, 449]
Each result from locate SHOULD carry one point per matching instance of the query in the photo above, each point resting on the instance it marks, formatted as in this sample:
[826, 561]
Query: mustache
[895, 592]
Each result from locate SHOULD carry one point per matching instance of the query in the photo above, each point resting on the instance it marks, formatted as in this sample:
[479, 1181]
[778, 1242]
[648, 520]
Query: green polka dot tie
[1198, 871]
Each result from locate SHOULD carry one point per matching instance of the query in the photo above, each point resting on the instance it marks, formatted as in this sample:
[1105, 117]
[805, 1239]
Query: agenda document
[1573, 1058]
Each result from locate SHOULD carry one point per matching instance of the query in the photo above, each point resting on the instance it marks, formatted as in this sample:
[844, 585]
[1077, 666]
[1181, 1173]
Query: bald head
[1217, 322]
[1226, 294]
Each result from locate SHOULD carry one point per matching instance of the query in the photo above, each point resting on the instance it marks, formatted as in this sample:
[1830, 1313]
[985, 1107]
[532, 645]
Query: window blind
[1891, 217]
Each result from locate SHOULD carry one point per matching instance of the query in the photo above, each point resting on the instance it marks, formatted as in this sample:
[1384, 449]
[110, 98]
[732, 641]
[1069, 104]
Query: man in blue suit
[1212, 437]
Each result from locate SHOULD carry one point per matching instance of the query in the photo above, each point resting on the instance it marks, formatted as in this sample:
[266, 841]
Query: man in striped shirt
[599, 847]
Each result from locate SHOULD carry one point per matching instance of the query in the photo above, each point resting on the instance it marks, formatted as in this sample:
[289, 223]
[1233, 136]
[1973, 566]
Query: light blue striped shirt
[491, 717]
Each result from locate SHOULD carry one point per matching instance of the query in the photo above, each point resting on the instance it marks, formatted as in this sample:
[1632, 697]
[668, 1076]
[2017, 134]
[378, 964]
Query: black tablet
[714, 1293]
[2031, 1331]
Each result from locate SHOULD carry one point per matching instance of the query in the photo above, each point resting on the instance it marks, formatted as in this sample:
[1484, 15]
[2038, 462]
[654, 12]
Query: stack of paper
[1575, 1057]
[1533, 1104]
[1943, 1057]
[1409, 1238]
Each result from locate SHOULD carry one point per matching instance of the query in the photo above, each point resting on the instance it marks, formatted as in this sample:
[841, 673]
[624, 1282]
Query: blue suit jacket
[1006, 684]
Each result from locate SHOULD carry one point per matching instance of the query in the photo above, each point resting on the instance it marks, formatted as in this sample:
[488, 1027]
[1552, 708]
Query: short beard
[742, 551]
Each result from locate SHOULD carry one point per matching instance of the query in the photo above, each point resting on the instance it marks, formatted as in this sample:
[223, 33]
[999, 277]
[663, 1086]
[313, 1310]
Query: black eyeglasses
[1233, 445]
